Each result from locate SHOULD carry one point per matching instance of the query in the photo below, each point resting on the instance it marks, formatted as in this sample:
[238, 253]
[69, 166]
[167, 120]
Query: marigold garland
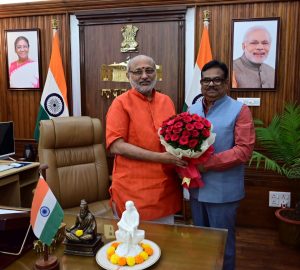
[130, 261]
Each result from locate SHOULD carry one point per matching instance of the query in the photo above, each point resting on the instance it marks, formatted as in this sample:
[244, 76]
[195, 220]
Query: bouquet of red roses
[188, 136]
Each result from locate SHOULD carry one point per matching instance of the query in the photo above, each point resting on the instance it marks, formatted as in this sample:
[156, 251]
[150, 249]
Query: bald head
[140, 58]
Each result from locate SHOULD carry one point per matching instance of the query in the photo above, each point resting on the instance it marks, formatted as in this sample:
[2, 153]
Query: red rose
[177, 130]
[184, 140]
[206, 133]
[174, 137]
[189, 126]
[167, 137]
[193, 143]
[199, 125]
[186, 133]
[164, 124]
[170, 122]
[206, 123]
[178, 124]
[196, 117]
[187, 119]
[195, 133]
[169, 129]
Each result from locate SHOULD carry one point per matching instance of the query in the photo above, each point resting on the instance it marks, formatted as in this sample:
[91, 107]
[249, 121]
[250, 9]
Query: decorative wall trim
[131, 15]
[71, 6]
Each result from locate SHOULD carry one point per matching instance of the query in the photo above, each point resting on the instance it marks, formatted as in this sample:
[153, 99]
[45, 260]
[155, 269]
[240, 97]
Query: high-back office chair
[72, 147]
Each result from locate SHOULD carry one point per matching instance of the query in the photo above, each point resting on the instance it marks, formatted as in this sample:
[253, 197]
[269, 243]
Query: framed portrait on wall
[254, 61]
[23, 59]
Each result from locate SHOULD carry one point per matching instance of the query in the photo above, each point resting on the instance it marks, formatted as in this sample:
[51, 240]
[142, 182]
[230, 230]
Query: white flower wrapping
[178, 152]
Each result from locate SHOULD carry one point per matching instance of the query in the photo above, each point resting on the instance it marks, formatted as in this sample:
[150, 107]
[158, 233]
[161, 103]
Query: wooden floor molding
[260, 249]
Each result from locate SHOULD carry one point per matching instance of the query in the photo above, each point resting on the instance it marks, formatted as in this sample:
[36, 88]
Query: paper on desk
[8, 211]
[109, 231]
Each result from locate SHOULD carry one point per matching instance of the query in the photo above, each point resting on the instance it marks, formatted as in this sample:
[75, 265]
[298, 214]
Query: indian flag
[54, 101]
[204, 56]
[46, 213]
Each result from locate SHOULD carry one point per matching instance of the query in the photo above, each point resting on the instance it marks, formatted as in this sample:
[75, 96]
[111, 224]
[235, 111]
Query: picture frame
[23, 59]
[254, 57]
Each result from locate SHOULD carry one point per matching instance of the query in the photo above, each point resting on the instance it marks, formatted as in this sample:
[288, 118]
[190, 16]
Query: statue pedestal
[83, 249]
[51, 264]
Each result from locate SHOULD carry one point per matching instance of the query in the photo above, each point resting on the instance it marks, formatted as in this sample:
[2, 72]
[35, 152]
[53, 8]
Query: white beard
[145, 90]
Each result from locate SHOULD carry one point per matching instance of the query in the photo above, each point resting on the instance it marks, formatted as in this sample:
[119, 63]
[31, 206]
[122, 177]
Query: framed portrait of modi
[254, 59]
[23, 59]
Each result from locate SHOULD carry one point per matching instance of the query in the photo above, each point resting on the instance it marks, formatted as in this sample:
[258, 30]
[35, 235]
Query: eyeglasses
[215, 81]
[139, 72]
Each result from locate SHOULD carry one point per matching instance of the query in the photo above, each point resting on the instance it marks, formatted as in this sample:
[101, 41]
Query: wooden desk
[16, 184]
[182, 247]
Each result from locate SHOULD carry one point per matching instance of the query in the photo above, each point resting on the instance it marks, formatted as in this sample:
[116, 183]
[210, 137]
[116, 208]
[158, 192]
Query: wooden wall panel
[254, 210]
[108, 38]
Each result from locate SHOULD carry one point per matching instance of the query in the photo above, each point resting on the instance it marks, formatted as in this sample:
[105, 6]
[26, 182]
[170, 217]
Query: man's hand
[120, 147]
[168, 158]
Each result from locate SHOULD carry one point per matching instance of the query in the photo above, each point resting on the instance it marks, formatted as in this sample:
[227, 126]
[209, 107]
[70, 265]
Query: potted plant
[281, 140]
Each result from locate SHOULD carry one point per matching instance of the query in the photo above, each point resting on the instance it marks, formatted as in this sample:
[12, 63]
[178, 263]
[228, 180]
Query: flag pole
[46, 253]
[54, 23]
[48, 262]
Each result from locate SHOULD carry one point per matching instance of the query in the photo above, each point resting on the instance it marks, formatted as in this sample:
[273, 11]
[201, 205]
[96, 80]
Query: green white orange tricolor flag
[46, 213]
[204, 56]
[54, 101]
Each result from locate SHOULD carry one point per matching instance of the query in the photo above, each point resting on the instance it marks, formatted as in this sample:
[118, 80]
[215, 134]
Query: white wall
[189, 47]
[75, 64]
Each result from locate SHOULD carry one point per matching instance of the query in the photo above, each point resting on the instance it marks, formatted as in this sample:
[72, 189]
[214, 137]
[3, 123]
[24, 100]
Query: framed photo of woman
[23, 59]
[254, 54]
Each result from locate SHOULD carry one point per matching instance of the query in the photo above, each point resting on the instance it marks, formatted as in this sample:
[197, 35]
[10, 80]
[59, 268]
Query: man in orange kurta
[143, 172]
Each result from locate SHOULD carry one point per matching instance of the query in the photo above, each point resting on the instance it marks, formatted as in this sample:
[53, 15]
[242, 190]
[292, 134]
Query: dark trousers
[218, 215]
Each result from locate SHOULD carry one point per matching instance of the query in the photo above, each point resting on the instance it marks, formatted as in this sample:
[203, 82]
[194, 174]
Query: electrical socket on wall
[279, 199]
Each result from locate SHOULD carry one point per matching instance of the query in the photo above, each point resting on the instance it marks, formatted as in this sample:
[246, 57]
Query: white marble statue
[128, 233]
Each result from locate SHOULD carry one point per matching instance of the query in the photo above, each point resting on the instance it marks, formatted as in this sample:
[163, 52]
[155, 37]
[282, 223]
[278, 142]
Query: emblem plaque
[129, 44]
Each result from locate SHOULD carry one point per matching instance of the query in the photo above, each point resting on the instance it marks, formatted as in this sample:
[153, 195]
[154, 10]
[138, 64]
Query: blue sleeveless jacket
[227, 185]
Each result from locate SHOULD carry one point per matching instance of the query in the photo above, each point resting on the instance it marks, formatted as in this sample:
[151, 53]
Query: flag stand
[48, 262]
